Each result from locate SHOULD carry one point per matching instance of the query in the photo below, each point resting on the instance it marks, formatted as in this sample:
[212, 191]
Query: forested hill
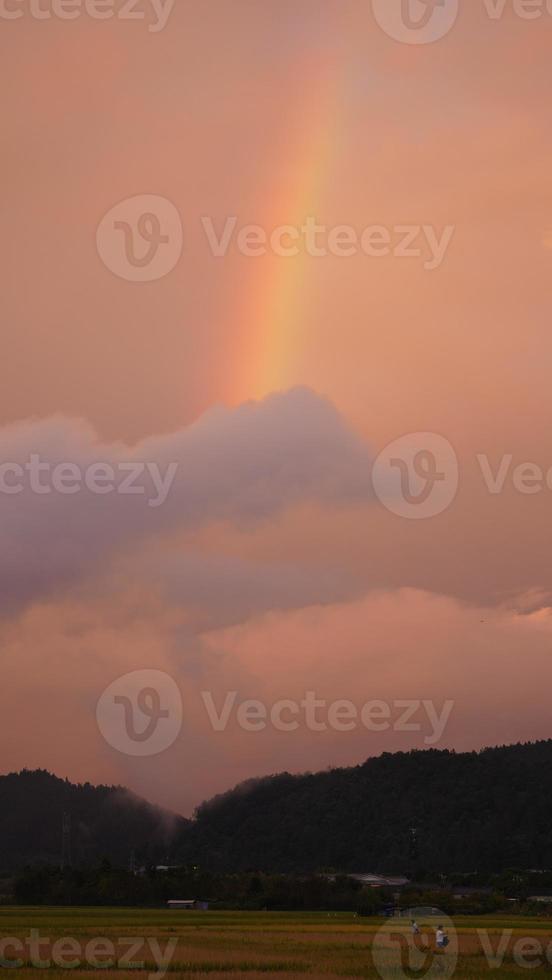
[428, 811]
[106, 823]
[484, 811]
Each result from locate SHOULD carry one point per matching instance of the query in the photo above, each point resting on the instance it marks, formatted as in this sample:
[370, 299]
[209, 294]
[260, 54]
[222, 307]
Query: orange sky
[262, 577]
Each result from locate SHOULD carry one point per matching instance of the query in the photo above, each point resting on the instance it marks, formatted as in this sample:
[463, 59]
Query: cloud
[388, 646]
[242, 465]
[223, 590]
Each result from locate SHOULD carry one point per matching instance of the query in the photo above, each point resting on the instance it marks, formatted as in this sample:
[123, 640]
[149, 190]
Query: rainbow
[272, 321]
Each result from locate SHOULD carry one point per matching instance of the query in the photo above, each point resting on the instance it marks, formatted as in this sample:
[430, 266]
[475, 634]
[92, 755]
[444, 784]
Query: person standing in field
[441, 939]
[419, 941]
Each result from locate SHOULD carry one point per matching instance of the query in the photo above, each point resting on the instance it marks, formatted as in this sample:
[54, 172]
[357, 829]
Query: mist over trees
[414, 814]
[437, 811]
[104, 823]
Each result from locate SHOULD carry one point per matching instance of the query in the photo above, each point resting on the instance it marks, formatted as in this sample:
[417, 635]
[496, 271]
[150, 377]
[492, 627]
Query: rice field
[253, 945]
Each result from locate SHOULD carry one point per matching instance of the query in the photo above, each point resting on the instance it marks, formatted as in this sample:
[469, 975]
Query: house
[380, 881]
[468, 891]
[189, 904]
[421, 912]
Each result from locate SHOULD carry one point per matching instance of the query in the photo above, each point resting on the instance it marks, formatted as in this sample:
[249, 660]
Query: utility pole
[65, 840]
[413, 849]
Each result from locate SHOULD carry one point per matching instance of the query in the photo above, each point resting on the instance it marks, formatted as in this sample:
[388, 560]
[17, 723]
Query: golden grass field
[257, 945]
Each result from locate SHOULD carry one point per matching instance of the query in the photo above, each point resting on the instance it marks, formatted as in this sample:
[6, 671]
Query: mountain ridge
[437, 810]
[106, 822]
